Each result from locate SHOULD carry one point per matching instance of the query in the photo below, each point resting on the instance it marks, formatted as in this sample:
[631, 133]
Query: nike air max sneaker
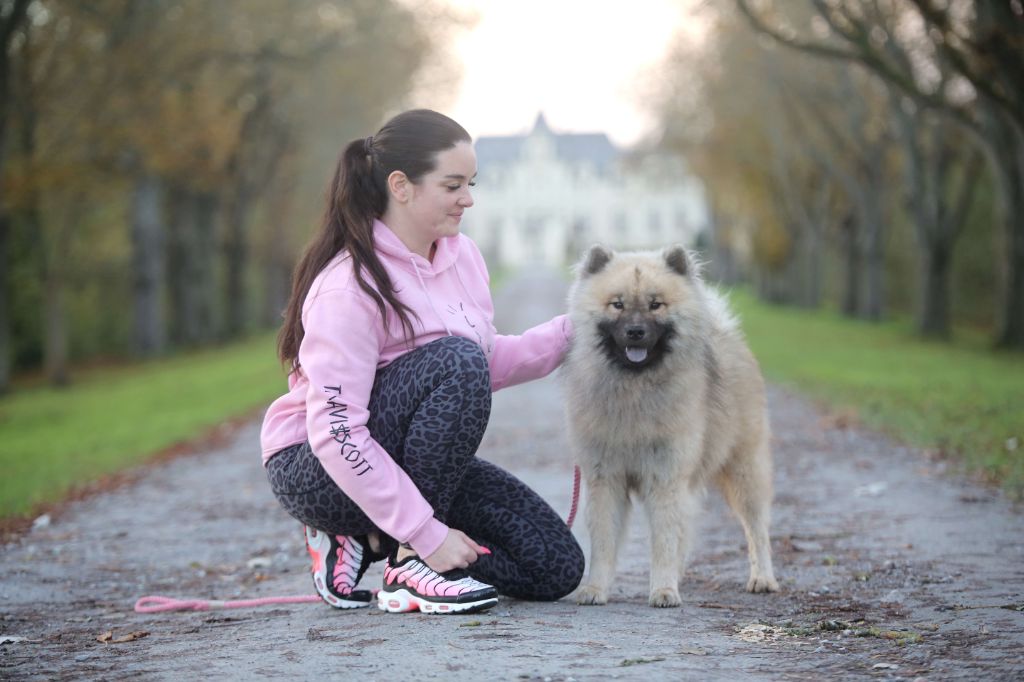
[339, 561]
[411, 585]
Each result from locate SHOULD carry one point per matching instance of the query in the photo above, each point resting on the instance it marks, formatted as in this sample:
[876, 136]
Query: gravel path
[889, 570]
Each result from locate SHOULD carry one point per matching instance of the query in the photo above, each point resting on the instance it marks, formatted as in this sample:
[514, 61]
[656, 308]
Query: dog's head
[635, 302]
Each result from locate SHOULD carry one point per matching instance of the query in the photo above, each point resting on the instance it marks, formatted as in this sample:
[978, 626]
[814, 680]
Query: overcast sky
[584, 63]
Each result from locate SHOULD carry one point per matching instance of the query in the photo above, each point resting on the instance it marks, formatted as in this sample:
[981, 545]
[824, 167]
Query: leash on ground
[159, 604]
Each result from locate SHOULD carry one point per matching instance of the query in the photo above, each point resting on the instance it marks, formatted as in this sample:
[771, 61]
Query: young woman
[393, 357]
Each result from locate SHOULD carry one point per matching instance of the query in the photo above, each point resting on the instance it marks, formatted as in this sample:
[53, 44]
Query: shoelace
[428, 581]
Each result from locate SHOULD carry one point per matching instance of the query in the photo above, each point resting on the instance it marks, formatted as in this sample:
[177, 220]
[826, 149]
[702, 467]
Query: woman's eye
[472, 183]
[453, 188]
[656, 304]
[617, 305]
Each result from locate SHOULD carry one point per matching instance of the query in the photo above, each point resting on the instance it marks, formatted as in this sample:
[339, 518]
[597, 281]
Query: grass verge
[961, 399]
[55, 440]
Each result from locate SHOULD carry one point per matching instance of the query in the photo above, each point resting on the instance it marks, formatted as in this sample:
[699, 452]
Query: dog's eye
[656, 304]
[617, 305]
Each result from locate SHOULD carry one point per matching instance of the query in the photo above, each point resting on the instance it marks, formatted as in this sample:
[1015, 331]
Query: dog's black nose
[635, 332]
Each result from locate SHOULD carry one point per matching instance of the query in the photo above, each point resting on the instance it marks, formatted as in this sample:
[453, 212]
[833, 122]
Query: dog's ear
[595, 260]
[678, 260]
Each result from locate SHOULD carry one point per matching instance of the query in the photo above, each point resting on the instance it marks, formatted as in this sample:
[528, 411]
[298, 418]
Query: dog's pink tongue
[636, 354]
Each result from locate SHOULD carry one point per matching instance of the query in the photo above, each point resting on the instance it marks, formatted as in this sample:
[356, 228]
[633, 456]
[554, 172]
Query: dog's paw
[762, 583]
[664, 597]
[590, 595]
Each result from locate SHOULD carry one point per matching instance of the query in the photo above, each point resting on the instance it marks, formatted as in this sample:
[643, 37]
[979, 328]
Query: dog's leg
[607, 513]
[670, 515]
[747, 485]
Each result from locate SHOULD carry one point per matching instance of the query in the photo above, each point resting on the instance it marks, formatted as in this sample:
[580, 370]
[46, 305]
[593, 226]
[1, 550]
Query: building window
[681, 221]
[654, 225]
[580, 228]
[621, 226]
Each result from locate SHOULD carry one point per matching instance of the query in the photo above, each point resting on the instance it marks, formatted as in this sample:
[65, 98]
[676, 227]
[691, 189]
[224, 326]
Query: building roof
[573, 148]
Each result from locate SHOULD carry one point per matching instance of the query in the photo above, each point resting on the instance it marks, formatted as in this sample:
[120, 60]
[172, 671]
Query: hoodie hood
[398, 254]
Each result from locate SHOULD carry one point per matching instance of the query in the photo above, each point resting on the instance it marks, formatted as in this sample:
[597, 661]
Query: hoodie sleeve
[531, 355]
[339, 353]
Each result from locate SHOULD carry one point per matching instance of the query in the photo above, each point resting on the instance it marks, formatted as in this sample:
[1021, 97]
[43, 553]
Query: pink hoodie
[345, 343]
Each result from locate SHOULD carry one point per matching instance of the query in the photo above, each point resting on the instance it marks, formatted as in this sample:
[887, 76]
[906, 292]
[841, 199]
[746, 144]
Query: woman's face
[440, 197]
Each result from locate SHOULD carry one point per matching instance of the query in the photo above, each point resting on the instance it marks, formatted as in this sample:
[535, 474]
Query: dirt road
[889, 570]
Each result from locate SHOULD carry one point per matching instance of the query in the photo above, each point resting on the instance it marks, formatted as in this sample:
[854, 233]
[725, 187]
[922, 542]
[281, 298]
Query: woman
[393, 359]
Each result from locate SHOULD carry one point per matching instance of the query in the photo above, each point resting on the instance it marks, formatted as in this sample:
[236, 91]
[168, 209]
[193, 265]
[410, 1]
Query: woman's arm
[531, 355]
[339, 354]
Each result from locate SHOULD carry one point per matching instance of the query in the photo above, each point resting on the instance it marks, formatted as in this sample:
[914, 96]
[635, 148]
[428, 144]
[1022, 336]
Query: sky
[585, 64]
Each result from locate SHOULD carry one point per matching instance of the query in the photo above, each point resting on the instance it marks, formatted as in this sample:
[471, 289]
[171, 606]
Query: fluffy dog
[663, 396]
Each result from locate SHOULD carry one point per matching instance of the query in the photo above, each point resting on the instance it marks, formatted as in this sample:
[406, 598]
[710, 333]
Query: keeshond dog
[663, 397]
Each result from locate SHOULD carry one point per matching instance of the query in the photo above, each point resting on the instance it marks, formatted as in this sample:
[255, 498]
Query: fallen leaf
[693, 651]
[638, 661]
[108, 637]
[11, 639]
[843, 419]
[259, 562]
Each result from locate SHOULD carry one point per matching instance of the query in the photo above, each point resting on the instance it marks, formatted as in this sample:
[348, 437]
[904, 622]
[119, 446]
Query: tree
[155, 143]
[906, 42]
[13, 15]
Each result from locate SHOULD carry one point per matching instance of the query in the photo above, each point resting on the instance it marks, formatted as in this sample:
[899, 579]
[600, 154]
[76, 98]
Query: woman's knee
[463, 359]
[567, 573]
[560, 574]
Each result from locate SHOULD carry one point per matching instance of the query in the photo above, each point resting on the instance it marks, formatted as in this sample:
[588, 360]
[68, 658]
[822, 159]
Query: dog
[663, 396]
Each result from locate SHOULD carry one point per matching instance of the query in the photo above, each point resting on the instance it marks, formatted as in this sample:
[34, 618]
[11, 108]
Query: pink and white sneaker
[339, 561]
[411, 585]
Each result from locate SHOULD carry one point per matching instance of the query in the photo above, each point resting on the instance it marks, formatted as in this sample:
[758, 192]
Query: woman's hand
[457, 551]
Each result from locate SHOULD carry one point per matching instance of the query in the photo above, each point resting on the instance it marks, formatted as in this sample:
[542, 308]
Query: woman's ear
[398, 186]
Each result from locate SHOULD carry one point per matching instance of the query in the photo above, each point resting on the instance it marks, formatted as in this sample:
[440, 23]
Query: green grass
[52, 440]
[962, 399]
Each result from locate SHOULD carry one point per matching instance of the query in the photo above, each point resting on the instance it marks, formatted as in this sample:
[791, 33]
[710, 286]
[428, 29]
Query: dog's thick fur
[663, 397]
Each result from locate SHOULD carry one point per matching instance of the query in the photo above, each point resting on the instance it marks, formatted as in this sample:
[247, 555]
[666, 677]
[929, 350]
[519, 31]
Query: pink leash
[575, 495]
[158, 604]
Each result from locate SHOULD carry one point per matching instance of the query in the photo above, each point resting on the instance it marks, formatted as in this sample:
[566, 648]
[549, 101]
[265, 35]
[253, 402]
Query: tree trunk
[851, 266]
[56, 348]
[5, 293]
[277, 258]
[236, 256]
[148, 276]
[871, 233]
[205, 284]
[873, 262]
[9, 25]
[1010, 159]
[190, 256]
[1011, 328]
[933, 306]
[812, 269]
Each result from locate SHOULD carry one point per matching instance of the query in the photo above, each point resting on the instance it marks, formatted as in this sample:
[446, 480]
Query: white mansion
[544, 197]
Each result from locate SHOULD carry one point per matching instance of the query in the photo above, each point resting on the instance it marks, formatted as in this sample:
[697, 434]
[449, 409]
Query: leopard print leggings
[428, 410]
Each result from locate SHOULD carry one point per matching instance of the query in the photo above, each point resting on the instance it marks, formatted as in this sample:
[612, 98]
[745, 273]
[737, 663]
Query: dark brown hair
[409, 142]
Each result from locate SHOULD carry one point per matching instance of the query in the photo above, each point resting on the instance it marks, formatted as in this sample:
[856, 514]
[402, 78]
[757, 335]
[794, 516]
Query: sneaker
[410, 585]
[339, 561]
